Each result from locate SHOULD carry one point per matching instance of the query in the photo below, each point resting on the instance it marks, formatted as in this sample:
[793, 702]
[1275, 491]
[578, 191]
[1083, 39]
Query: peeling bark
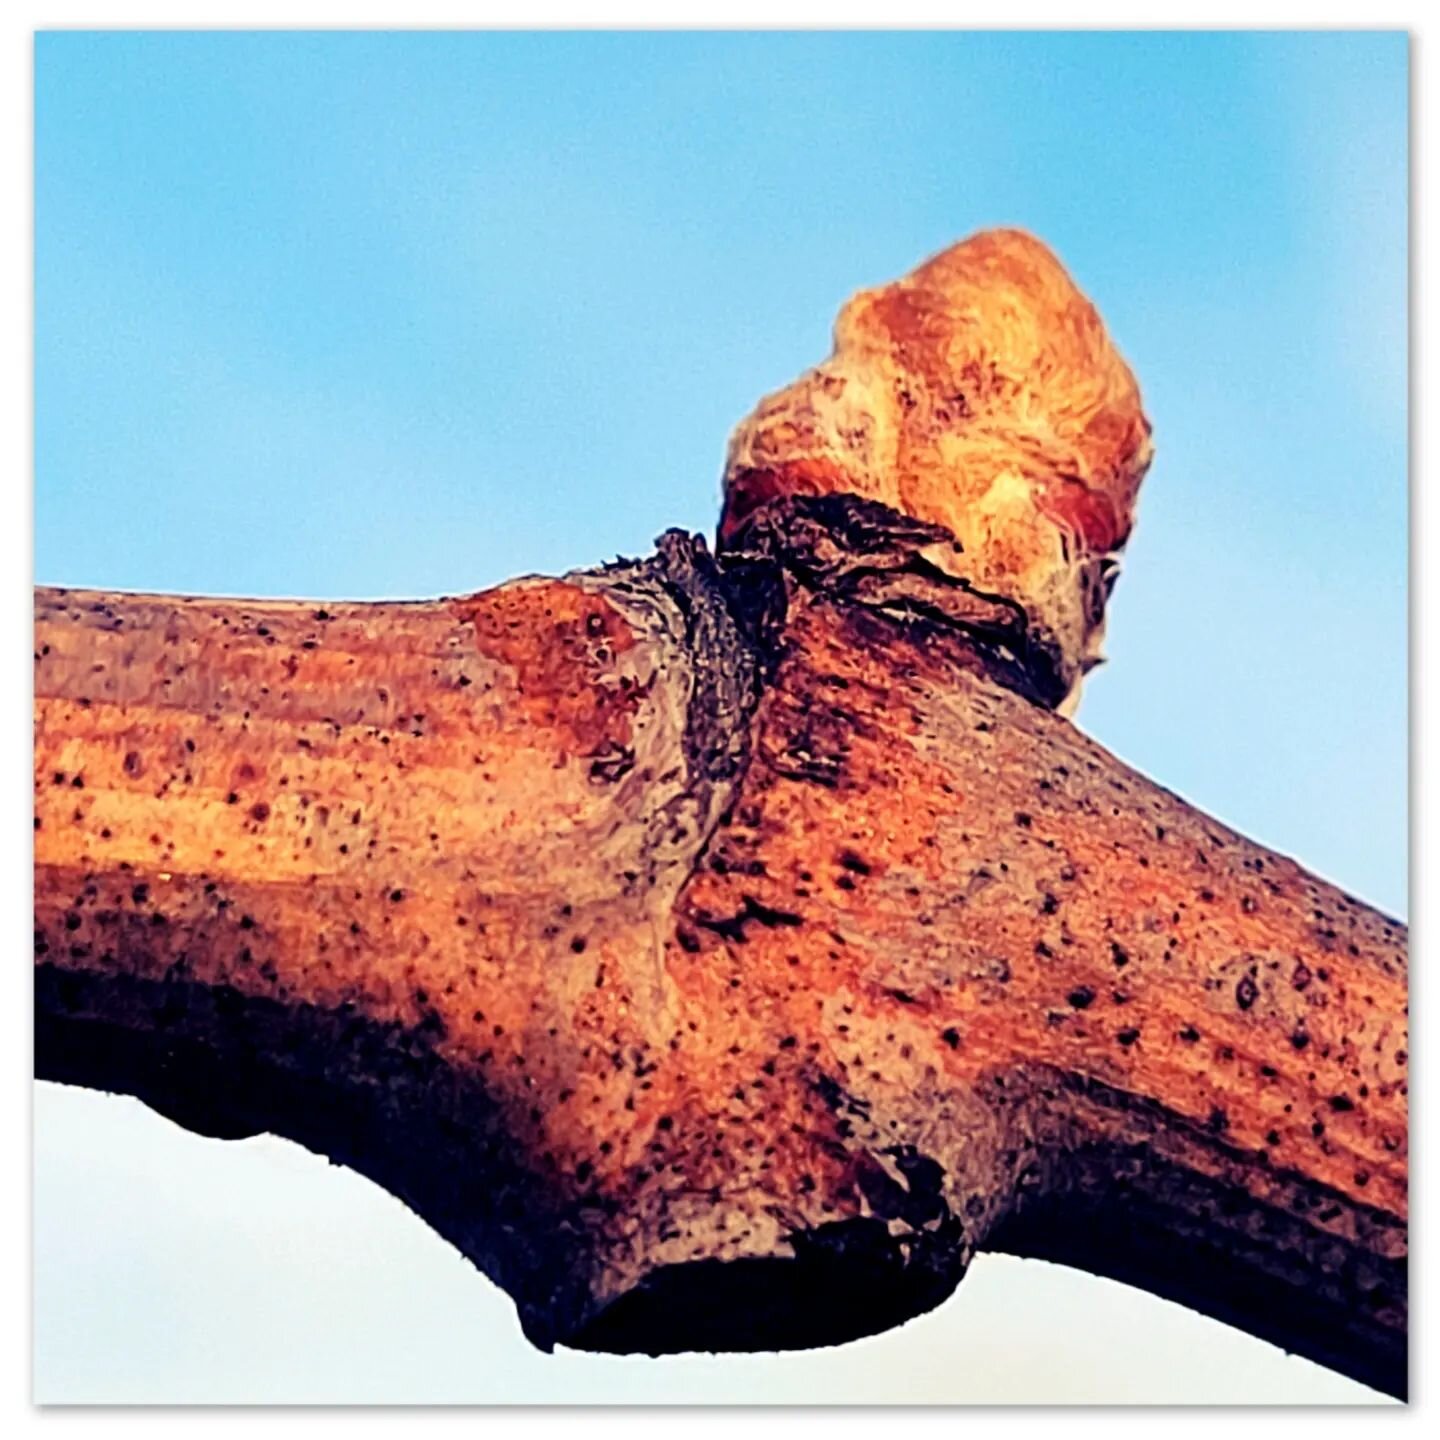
[720, 950]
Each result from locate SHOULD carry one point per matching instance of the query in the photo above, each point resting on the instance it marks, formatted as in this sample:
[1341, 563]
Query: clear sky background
[401, 315]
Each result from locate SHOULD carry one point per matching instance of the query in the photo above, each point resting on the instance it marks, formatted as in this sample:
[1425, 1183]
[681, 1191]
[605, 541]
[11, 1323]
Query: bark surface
[719, 951]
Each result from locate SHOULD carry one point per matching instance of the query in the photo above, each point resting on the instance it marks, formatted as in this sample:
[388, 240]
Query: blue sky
[394, 315]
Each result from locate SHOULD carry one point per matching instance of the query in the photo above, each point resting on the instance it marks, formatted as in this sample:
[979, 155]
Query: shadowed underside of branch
[720, 951]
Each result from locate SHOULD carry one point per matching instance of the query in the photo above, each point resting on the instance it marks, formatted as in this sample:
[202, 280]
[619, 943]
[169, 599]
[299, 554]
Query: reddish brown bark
[719, 952]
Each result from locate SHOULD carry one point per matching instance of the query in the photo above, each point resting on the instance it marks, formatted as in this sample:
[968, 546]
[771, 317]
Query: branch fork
[722, 949]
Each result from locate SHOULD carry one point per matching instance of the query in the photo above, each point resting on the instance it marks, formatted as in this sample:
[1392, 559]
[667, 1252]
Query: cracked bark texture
[720, 950]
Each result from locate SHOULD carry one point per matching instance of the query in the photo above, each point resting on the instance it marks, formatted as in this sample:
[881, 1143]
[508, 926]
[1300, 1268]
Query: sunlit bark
[720, 952]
